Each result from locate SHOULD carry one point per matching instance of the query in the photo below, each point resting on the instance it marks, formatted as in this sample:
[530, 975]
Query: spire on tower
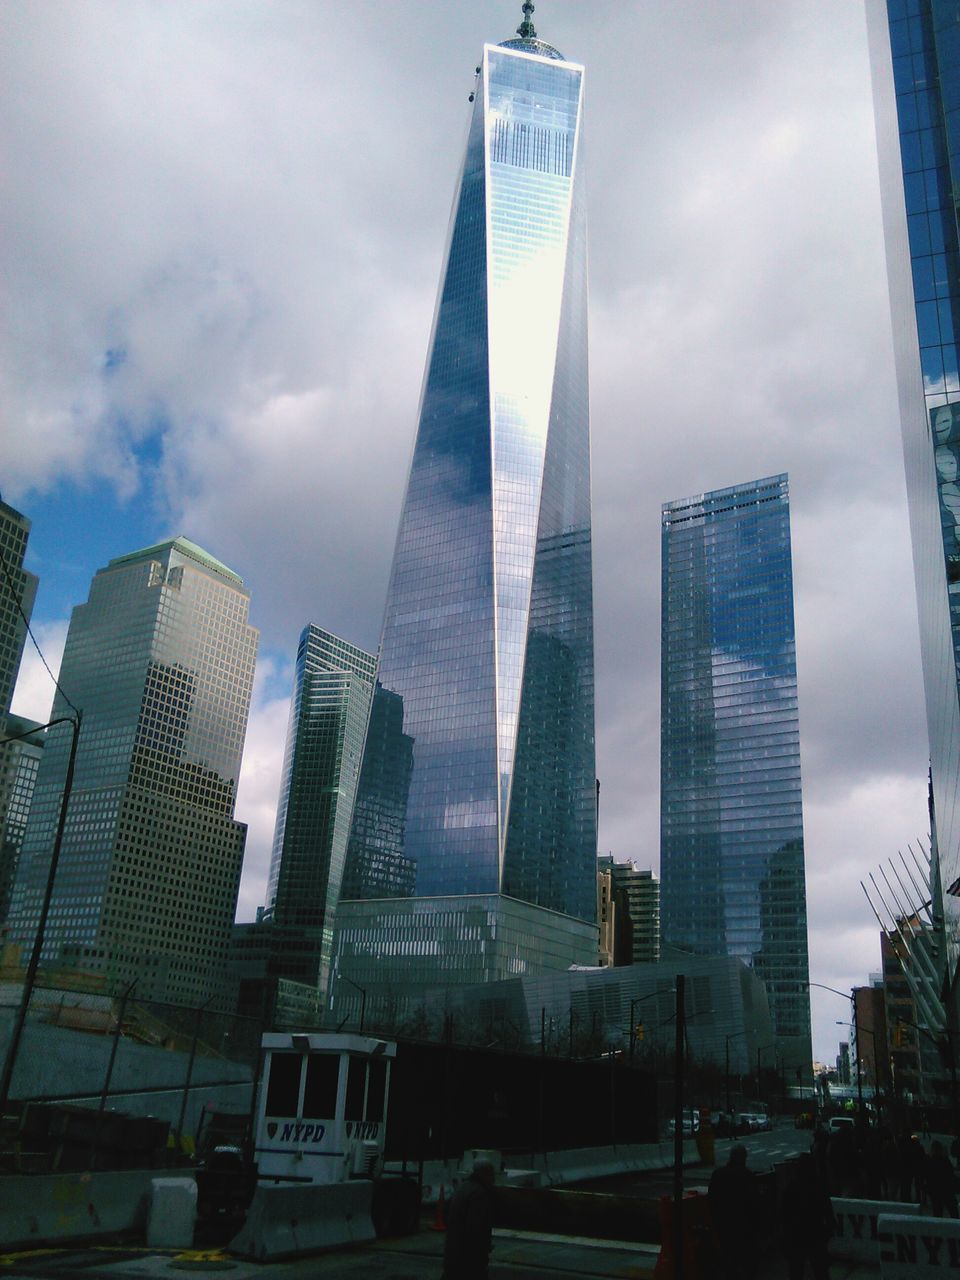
[526, 29]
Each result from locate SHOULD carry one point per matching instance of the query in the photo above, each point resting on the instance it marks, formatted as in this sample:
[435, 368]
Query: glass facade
[18, 759]
[394, 950]
[160, 659]
[731, 824]
[333, 685]
[486, 666]
[915, 55]
[17, 587]
[19, 765]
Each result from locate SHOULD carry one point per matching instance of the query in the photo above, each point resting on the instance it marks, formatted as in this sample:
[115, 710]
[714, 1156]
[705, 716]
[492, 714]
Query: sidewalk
[517, 1255]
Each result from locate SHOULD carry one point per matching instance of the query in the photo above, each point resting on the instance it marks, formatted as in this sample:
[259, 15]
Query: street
[516, 1253]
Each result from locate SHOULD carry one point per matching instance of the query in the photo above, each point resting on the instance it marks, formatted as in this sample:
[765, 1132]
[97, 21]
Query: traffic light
[638, 1031]
[899, 1036]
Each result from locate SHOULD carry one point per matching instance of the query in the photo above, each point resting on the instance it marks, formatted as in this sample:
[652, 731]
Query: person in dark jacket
[466, 1253]
[806, 1220]
[734, 1212]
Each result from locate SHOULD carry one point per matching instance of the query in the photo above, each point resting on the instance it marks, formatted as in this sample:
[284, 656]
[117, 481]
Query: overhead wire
[18, 601]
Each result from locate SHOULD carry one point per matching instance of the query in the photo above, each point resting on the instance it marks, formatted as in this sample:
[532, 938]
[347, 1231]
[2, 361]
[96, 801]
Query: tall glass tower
[488, 632]
[731, 824]
[915, 55]
[160, 660]
[329, 712]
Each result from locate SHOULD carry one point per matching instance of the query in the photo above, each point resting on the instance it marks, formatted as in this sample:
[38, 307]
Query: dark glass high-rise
[731, 823]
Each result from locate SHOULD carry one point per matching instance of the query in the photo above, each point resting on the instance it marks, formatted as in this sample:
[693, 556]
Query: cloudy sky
[222, 234]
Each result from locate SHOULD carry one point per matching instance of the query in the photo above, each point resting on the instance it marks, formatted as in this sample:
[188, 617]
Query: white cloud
[259, 784]
[34, 693]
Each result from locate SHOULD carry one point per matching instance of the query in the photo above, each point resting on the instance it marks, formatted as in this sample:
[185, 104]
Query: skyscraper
[333, 686]
[18, 759]
[18, 589]
[160, 661]
[488, 633]
[915, 54]
[731, 824]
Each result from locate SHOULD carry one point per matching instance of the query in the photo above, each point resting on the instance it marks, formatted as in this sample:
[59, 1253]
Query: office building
[333, 685]
[19, 764]
[18, 590]
[637, 896]
[18, 756]
[731, 825]
[870, 1029]
[160, 660]
[606, 913]
[487, 643]
[628, 907]
[915, 55]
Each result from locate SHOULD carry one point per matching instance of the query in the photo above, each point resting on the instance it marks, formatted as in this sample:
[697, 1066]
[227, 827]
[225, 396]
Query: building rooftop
[186, 548]
[527, 41]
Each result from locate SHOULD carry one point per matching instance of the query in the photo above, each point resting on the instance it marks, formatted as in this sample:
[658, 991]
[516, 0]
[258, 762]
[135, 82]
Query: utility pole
[30, 976]
[678, 1135]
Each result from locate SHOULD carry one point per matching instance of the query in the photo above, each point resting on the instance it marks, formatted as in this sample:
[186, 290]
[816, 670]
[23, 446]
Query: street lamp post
[678, 1135]
[852, 998]
[363, 997]
[726, 1059]
[857, 1032]
[633, 1028]
[30, 976]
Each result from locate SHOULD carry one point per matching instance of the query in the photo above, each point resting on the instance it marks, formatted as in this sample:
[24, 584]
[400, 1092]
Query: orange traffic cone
[440, 1217]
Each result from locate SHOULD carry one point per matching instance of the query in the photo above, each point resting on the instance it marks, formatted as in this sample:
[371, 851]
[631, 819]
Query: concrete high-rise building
[915, 54]
[628, 908]
[160, 660]
[637, 896]
[731, 824]
[606, 912]
[488, 633]
[333, 686]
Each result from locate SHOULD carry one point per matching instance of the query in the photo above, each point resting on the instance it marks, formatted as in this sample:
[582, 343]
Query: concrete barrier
[558, 1168]
[172, 1214]
[917, 1248]
[857, 1237]
[285, 1221]
[54, 1207]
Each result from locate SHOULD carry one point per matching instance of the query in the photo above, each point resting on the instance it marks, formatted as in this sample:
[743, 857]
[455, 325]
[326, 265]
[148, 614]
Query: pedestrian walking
[806, 1221]
[466, 1253]
[734, 1212]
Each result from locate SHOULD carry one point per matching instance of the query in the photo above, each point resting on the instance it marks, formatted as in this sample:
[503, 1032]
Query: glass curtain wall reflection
[333, 685]
[732, 866]
[487, 645]
[915, 57]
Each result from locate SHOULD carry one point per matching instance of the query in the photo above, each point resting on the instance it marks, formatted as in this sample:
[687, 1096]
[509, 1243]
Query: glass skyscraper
[487, 642]
[329, 712]
[731, 824]
[915, 54]
[160, 661]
